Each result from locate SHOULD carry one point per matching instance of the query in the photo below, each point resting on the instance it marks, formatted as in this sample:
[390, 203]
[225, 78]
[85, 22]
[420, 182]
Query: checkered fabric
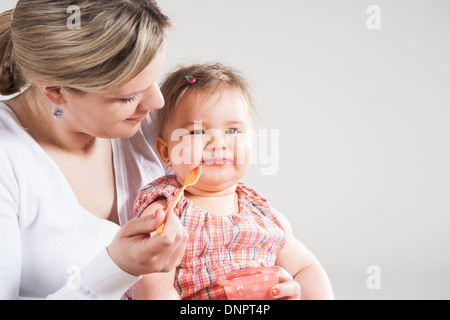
[218, 244]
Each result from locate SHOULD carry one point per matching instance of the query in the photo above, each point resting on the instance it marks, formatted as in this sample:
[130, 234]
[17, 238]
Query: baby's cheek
[184, 151]
[242, 149]
[186, 154]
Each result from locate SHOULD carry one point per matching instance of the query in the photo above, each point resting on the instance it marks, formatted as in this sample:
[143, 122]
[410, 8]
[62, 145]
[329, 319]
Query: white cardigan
[50, 247]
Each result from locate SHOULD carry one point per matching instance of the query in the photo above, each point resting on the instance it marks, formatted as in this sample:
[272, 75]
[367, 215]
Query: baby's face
[214, 130]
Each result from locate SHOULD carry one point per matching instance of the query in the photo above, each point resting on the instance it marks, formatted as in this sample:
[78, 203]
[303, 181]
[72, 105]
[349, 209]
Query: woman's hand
[135, 251]
[287, 288]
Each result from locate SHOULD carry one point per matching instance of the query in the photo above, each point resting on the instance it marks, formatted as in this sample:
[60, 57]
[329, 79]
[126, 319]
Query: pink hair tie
[191, 79]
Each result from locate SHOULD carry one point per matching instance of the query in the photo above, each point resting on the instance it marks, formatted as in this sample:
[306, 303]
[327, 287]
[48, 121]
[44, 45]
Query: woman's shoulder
[8, 120]
[13, 135]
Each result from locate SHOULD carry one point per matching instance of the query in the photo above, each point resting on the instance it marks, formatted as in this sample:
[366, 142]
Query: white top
[50, 247]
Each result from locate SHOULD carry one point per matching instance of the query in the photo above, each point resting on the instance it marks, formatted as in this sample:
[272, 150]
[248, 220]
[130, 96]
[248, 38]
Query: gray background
[364, 124]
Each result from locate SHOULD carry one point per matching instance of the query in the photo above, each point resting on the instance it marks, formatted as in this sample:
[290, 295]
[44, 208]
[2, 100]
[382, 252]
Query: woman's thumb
[145, 224]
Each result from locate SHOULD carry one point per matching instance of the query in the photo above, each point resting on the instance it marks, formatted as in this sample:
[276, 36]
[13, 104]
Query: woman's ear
[53, 94]
[163, 151]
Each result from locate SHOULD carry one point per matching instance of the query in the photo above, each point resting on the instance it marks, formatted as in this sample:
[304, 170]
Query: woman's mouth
[136, 119]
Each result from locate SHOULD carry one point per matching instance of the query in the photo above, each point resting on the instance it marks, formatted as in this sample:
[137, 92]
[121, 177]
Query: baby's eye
[195, 132]
[232, 131]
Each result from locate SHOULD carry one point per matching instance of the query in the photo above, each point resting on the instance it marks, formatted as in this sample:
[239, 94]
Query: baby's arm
[155, 286]
[296, 259]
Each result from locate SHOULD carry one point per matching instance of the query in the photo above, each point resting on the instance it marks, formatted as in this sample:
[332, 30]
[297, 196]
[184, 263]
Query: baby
[207, 120]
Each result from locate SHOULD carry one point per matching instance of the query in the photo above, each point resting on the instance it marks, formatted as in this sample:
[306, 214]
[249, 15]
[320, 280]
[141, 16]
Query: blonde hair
[208, 78]
[115, 42]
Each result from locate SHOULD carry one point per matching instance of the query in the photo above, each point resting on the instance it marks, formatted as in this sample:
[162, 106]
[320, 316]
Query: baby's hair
[198, 78]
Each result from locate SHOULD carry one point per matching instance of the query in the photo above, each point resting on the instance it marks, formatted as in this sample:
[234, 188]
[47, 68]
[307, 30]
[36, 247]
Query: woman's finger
[180, 249]
[172, 228]
[177, 234]
[143, 225]
[167, 249]
[136, 251]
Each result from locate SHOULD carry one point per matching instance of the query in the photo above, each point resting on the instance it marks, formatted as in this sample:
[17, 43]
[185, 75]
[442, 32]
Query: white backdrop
[361, 103]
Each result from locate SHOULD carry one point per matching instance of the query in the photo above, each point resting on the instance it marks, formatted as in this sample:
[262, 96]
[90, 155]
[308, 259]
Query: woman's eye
[196, 132]
[132, 99]
[232, 131]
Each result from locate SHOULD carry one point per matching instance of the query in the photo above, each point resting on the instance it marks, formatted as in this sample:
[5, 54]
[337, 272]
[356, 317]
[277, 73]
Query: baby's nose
[216, 139]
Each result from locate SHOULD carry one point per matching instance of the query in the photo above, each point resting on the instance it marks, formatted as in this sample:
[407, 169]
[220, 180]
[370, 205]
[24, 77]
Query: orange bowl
[250, 283]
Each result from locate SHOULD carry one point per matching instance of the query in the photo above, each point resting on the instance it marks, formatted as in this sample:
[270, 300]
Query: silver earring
[58, 112]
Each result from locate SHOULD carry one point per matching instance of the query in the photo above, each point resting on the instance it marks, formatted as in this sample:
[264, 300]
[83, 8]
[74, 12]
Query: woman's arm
[102, 278]
[10, 242]
[304, 267]
[133, 252]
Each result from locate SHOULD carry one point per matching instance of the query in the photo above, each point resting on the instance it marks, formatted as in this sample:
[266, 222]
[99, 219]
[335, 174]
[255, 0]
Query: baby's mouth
[218, 161]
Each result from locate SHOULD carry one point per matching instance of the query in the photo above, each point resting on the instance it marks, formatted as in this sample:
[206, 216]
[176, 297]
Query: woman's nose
[152, 99]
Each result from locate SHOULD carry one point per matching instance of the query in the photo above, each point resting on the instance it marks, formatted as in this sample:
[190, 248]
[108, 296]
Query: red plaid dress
[218, 244]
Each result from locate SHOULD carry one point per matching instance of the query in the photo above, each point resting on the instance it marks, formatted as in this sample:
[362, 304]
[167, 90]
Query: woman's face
[116, 114]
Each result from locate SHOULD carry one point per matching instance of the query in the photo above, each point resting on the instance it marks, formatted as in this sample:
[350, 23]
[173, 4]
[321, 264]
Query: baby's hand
[287, 288]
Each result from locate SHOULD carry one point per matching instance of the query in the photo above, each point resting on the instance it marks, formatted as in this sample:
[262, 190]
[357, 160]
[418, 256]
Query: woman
[76, 145]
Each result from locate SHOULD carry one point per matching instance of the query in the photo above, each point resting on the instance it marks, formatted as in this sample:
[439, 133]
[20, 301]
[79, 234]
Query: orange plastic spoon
[190, 180]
